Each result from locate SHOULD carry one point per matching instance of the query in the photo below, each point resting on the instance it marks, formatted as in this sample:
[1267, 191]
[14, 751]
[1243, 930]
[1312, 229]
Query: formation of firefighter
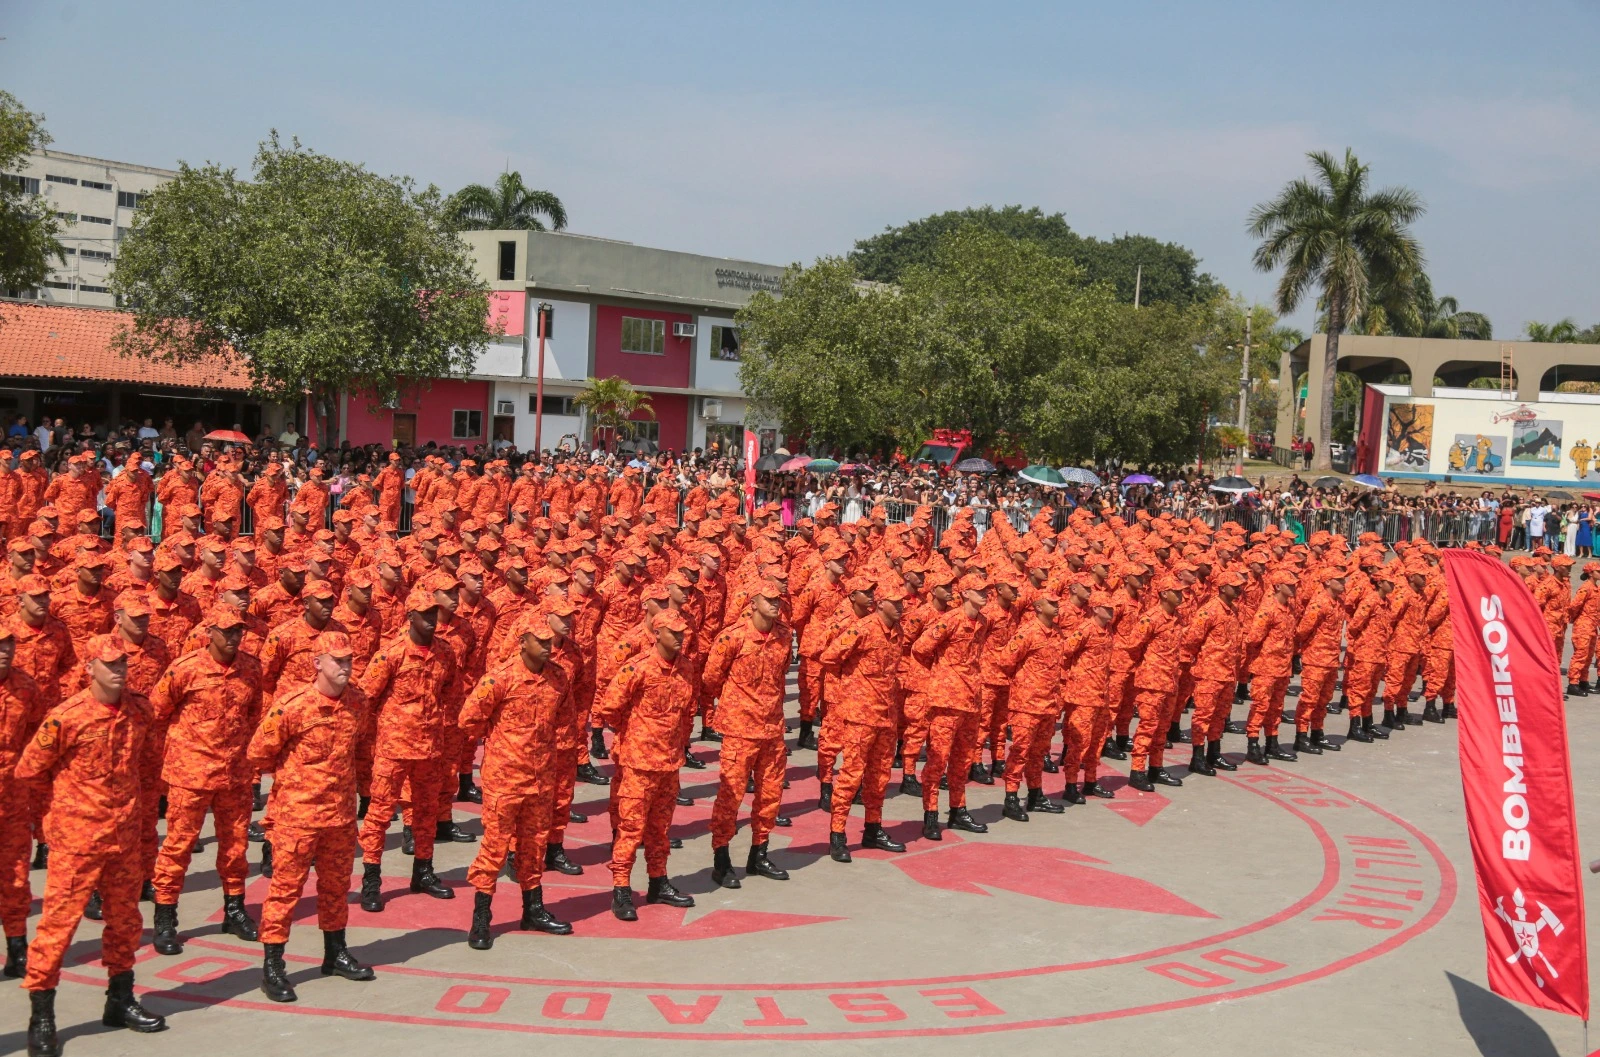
[532, 623]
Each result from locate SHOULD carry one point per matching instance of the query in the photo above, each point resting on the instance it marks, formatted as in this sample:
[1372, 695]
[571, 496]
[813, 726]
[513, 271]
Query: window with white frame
[644, 337]
[467, 425]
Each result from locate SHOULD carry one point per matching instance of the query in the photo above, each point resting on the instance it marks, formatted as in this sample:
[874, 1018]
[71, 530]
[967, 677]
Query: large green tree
[1564, 330]
[1334, 232]
[320, 275]
[510, 205]
[1161, 271]
[995, 335]
[28, 227]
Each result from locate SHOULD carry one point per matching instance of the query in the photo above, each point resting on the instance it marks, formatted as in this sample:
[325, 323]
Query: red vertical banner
[1517, 778]
[752, 455]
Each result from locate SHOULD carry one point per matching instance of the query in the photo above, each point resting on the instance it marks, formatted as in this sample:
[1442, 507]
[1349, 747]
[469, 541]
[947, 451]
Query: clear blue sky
[781, 133]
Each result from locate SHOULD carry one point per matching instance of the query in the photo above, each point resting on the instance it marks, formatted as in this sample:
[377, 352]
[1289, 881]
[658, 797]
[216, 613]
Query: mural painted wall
[1470, 434]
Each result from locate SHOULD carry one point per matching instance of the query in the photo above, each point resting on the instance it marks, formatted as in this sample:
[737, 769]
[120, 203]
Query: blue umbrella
[1367, 480]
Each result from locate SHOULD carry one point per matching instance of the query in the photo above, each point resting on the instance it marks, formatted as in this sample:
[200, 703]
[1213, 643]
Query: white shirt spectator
[43, 435]
[1536, 516]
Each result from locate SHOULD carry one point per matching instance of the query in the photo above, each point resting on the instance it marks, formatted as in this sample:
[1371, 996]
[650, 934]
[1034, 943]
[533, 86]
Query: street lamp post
[1244, 394]
[538, 400]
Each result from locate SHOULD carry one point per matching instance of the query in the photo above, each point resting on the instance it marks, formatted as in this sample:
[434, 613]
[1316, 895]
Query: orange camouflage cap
[333, 644]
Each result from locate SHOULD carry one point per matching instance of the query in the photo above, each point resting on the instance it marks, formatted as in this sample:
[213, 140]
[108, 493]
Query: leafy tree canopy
[321, 275]
[1170, 273]
[993, 334]
[28, 227]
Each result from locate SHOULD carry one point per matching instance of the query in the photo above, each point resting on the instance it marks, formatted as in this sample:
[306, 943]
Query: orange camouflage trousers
[73, 876]
[331, 851]
[514, 821]
[389, 778]
[186, 813]
[16, 839]
[741, 758]
[811, 687]
[1266, 705]
[992, 715]
[1398, 677]
[1439, 675]
[1030, 740]
[1213, 701]
[1156, 709]
[1360, 684]
[564, 778]
[865, 755]
[952, 742]
[829, 742]
[913, 729]
[1583, 652]
[1316, 690]
[1121, 694]
[645, 800]
[1084, 731]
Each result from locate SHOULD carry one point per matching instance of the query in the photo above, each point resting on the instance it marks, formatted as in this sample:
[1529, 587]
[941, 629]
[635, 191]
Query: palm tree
[611, 402]
[510, 205]
[1334, 232]
[1564, 331]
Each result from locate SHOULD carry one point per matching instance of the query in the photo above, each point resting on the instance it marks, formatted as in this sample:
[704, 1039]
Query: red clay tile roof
[40, 340]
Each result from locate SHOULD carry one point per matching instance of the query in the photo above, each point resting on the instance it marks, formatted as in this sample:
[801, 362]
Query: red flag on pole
[1517, 778]
[752, 455]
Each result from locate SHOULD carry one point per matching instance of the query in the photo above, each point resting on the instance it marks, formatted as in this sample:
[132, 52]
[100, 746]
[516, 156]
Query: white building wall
[566, 353]
[709, 373]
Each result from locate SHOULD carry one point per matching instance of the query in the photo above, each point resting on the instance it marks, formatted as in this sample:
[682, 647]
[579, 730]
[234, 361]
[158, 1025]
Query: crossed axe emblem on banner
[1526, 932]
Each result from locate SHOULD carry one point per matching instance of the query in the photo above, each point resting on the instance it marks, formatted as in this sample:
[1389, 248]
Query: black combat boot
[1377, 732]
[1198, 764]
[693, 762]
[1050, 766]
[837, 851]
[1124, 743]
[808, 737]
[930, 826]
[1159, 776]
[980, 774]
[1303, 743]
[1140, 780]
[910, 785]
[1253, 754]
[1037, 801]
[258, 799]
[466, 792]
[825, 795]
[254, 833]
[16, 956]
[479, 938]
[1575, 690]
[447, 832]
[722, 874]
[423, 880]
[124, 1011]
[1275, 751]
[1448, 709]
[147, 892]
[372, 887]
[266, 858]
[661, 891]
[236, 920]
[1357, 731]
[1234, 726]
[42, 1024]
[761, 866]
[408, 843]
[1319, 738]
[1430, 712]
[589, 774]
[1215, 758]
[960, 818]
[94, 910]
[1094, 789]
[338, 961]
[1174, 734]
[555, 858]
[535, 918]
[1072, 793]
[1013, 809]
[708, 734]
[1389, 722]
[41, 859]
[1109, 751]
[275, 975]
[1403, 718]
[597, 745]
[166, 924]
[622, 904]
[362, 803]
[874, 836]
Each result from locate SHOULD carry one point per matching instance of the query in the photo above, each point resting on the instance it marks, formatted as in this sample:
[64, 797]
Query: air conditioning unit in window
[505, 407]
[684, 330]
[711, 408]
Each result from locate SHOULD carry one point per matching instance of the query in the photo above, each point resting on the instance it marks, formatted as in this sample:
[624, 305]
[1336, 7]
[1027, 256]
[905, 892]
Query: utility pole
[1244, 391]
[538, 415]
[1138, 279]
